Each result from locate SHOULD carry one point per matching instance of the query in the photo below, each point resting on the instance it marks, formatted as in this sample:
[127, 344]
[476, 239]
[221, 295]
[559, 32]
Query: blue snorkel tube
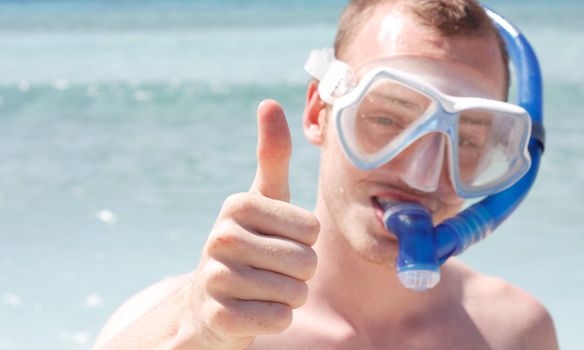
[423, 247]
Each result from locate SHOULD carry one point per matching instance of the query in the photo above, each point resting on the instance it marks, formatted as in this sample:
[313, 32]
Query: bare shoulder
[509, 317]
[138, 305]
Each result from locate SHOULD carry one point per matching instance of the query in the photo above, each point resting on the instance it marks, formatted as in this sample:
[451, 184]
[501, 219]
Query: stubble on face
[346, 193]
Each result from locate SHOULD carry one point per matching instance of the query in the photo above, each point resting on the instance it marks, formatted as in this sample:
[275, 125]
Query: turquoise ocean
[124, 125]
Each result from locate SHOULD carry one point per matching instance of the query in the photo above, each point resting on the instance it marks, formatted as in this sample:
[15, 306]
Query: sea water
[125, 124]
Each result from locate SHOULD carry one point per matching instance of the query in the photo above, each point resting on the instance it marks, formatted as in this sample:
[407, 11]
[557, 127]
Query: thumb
[273, 152]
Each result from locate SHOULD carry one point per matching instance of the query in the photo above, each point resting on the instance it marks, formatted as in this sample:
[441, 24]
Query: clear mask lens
[385, 113]
[489, 147]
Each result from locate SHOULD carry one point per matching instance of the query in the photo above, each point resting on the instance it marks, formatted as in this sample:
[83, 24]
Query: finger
[248, 318]
[271, 217]
[232, 244]
[246, 283]
[273, 152]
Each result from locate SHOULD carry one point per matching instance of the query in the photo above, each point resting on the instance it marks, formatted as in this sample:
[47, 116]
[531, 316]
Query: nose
[421, 165]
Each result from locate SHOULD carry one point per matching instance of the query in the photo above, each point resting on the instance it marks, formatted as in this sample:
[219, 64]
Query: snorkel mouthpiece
[417, 265]
[423, 247]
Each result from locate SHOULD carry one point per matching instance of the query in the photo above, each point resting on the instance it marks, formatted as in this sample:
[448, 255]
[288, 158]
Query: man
[260, 261]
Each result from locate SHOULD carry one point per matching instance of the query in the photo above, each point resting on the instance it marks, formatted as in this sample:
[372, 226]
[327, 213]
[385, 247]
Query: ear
[314, 119]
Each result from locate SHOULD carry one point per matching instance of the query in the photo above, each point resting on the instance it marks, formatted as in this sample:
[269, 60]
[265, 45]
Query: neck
[366, 294]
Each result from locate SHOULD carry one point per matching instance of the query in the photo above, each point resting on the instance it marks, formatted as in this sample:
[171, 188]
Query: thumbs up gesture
[256, 262]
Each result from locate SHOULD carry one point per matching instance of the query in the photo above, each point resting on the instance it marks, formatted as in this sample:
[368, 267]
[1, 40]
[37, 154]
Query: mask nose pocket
[421, 163]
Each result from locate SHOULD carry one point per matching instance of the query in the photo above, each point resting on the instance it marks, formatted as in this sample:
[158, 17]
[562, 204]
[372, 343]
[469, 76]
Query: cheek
[339, 178]
[334, 171]
[337, 167]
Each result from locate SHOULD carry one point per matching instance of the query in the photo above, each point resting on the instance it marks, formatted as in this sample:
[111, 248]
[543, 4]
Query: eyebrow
[399, 101]
[475, 120]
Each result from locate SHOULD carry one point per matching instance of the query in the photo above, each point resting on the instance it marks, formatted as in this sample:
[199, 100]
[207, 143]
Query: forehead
[392, 31]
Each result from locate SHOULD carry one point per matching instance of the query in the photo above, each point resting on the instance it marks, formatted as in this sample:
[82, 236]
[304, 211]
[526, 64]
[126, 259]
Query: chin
[381, 250]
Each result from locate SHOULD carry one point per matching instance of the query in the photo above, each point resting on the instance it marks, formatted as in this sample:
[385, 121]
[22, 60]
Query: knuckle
[238, 205]
[224, 236]
[223, 319]
[248, 318]
[217, 277]
[232, 200]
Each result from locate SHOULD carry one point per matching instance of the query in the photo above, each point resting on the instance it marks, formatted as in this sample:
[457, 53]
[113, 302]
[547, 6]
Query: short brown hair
[449, 18]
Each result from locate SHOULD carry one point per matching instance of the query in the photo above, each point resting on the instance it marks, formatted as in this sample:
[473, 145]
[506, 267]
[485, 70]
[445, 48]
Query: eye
[382, 120]
[466, 142]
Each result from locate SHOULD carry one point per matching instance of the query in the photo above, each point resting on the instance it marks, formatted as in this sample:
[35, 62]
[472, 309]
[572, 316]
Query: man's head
[457, 42]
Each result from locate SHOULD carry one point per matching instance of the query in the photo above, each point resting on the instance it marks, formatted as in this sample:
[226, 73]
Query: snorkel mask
[493, 147]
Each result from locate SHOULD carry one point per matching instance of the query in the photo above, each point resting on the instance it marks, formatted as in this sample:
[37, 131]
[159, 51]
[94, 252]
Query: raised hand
[257, 260]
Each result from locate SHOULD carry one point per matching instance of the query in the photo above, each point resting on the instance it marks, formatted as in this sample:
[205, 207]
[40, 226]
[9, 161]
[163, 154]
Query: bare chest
[449, 332]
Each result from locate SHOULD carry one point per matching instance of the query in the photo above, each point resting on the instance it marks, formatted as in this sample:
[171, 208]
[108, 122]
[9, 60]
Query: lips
[382, 202]
[378, 207]
[380, 199]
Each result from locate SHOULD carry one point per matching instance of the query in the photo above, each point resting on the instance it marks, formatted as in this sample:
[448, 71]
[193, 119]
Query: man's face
[352, 196]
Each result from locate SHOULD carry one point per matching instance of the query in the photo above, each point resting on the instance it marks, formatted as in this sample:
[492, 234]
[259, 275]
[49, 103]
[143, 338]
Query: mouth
[380, 200]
